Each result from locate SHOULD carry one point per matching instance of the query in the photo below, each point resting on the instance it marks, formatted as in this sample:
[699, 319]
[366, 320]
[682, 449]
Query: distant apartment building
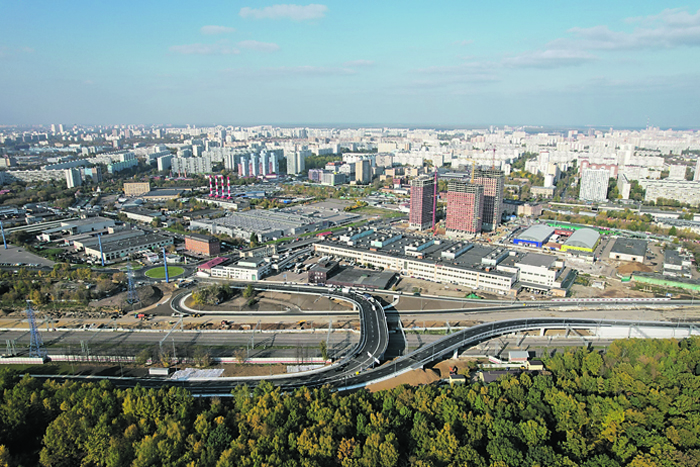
[594, 185]
[465, 207]
[164, 162]
[73, 178]
[191, 165]
[678, 190]
[363, 172]
[422, 199]
[676, 172]
[493, 181]
[136, 189]
[316, 175]
[295, 161]
[585, 163]
[696, 176]
[333, 179]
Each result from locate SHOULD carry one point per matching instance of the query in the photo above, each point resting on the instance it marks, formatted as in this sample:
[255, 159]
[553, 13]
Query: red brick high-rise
[465, 206]
[422, 197]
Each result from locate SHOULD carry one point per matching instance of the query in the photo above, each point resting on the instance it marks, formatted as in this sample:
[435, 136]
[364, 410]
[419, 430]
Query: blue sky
[460, 63]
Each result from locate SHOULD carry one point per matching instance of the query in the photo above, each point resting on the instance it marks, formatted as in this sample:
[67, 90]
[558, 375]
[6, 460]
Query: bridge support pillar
[455, 354]
[542, 331]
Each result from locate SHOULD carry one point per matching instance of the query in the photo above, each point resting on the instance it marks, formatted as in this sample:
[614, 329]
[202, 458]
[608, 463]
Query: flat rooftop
[629, 246]
[362, 278]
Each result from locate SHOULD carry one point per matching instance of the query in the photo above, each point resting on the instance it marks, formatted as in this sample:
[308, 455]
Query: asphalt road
[355, 370]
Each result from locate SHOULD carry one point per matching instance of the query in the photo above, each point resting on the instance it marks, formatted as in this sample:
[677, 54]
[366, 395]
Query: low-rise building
[628, 249]
[583, 240]
[320, 272]
[125, 247]
[535, 236]
[143, 215]
[202, 244]
[136, 189]
[249, 269]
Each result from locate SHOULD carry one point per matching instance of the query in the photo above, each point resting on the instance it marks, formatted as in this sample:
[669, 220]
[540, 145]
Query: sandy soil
[630, 267]
[253, 370]
[412, 378]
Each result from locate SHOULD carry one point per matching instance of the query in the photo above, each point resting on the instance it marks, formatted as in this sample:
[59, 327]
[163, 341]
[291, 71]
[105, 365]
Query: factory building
[536, 236]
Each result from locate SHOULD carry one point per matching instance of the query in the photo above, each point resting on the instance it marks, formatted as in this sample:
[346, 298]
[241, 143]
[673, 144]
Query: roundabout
[159, 272]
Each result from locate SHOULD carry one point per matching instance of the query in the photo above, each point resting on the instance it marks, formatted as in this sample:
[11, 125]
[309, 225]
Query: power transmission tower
[36, 345]
[132, 296]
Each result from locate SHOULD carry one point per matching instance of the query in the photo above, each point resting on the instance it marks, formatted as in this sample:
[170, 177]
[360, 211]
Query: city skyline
[337, 64]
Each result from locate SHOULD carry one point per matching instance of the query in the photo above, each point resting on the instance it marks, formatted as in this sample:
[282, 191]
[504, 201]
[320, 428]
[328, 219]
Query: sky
[407, 63]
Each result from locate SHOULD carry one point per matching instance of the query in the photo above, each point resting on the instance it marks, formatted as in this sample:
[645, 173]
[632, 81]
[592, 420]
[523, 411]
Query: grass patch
[159, 273]
[383, 213]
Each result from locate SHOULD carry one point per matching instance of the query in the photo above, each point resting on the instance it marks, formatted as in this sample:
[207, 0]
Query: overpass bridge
[361, 366]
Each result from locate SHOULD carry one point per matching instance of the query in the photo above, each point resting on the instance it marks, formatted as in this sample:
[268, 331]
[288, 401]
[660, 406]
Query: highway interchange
[363, 364]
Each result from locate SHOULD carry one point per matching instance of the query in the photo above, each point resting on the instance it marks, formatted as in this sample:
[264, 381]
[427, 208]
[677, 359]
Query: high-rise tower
[422, 195]
[493, 181]
[465, 207]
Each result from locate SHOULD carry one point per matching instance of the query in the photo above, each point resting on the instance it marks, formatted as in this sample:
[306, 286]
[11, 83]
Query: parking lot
[19, 256]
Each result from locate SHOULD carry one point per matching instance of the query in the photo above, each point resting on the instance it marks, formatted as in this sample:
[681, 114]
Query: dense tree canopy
[637, 405]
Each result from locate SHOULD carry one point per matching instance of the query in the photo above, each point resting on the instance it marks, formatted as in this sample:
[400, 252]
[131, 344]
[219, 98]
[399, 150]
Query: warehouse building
[125, 247]
[628, 249]
[249, 269]
[202, 244]
[535, 236]
[416, 257]
[136, 189]
[265, 224]
[583, 240]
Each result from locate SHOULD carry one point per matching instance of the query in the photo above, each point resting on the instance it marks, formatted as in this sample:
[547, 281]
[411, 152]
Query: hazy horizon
[561, 65]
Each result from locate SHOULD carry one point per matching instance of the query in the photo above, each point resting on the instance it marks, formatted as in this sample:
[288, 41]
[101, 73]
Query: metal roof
[536, 233]
[628, 246]
[583, 238]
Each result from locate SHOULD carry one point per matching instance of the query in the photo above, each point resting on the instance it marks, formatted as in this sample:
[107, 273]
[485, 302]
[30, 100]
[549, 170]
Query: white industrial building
[249, 269]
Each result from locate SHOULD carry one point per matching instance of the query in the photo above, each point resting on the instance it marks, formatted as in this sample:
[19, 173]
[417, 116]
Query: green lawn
[159, 273]
[384, 213]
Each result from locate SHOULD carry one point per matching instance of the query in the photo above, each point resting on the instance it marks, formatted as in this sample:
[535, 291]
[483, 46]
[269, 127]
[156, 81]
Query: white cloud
[359, 63]
[548, 59]
[215, 30]
[259, 46]
[670, 28]
[293, 12]
[7, 51]
[220, 48]
[290, 71]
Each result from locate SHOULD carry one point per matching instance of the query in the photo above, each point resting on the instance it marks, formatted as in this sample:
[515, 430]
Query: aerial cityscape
[349, 234]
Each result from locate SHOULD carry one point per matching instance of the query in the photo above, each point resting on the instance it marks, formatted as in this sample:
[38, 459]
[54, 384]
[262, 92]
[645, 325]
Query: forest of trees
[638, 404]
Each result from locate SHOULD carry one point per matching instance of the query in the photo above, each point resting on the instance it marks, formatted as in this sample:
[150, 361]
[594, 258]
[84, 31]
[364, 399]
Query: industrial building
[202, 244]
[583, 240]
[535, 236]
[321, 271]
[435, 260]
[628, 249]
[248, 269]
[136, 189]
[142, 215]
[265, 224]
[124, 247]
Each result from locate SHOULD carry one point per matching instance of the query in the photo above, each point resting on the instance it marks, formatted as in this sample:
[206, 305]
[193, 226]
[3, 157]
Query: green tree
[249, 291]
